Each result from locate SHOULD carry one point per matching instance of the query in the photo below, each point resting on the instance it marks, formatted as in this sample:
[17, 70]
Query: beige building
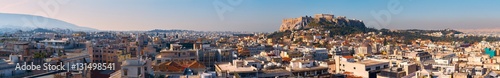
[242, 68]
[134, 68]
[492, 66]
[308, 68]
[364, 49]
[421, 56]
[176, 53]
[287, 56]
[363, 68]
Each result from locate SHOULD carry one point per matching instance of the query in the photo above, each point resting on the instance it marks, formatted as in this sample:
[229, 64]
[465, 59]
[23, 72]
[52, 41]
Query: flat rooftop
[231, 68]
[308, 69]
[439, 54]
[371, 62]
[274, 72]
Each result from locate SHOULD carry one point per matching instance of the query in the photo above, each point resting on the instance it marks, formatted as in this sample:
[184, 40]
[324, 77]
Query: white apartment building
[363, 68]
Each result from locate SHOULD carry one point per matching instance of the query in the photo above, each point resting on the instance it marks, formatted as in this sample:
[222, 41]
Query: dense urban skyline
[249, 39]
[258, 15]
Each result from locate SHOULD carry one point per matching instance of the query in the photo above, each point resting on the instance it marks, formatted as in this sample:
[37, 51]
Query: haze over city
[249, 39]
[257, 15]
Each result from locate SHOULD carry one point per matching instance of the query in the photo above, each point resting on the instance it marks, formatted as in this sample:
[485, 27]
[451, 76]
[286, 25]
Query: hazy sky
[259, 15]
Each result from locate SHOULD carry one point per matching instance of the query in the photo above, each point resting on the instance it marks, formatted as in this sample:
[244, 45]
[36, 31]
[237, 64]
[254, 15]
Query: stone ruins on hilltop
[302, 22]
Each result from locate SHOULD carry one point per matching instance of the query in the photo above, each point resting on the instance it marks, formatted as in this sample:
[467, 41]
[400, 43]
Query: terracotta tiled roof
[286, 59]
[348, 73]
[178, 66]
[196, 65]
[169, 66]
[348, 57]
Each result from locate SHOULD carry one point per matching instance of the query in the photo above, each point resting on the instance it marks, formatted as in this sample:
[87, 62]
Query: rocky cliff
[318, 20]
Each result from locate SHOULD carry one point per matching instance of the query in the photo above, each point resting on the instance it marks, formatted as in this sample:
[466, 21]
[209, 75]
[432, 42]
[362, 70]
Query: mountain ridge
[10, 22]
[327, 25]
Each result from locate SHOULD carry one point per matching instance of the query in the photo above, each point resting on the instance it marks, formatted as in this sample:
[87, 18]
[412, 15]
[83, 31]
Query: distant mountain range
[172, 30]
[16, 22]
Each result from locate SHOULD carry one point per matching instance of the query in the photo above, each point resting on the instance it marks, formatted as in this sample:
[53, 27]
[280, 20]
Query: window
[368, 69]
[139, 71]
[125, 72]
[354, 67]
[192, 54]
[377, 68]
[386, 66]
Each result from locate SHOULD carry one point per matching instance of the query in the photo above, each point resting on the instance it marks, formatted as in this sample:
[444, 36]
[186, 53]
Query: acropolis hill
[319, 19]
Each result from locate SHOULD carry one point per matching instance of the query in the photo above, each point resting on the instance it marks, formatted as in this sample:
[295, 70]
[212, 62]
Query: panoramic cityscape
[249, 39]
